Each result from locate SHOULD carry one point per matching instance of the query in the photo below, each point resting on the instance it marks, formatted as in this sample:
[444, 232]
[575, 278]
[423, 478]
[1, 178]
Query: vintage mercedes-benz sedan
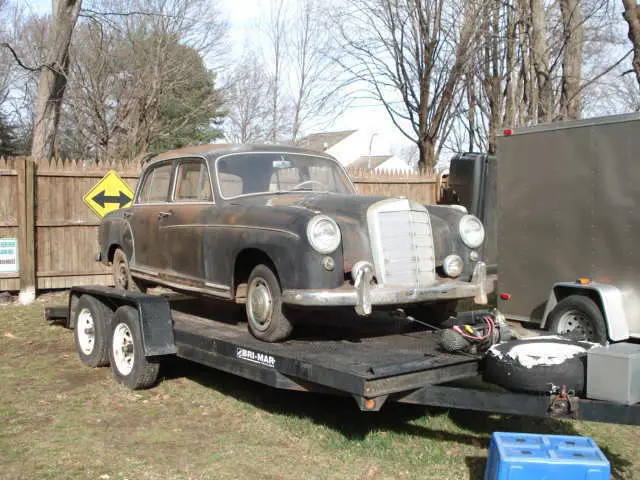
[277, 227]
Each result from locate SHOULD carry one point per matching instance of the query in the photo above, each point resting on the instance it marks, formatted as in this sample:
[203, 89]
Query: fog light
[328, 263]
[452, 266]
[473, 256]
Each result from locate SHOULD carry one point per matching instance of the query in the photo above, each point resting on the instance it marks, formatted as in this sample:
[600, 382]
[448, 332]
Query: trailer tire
[90, 334]
[121, 272]
[265, 315]
[504, 367]
[578, 314]
[126, 352]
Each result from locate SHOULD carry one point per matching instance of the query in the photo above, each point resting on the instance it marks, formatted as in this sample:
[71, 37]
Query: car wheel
[578, 315]
[128, 363]
[264, 306]
[538, 365]
[122, 278]
[91, 321]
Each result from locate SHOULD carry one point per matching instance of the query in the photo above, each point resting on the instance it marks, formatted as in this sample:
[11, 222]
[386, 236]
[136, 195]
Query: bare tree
[247, 102]
[53, 78]
[573, 39]
[275, 29]
[313, 74]
[632, 16]
[411, 56]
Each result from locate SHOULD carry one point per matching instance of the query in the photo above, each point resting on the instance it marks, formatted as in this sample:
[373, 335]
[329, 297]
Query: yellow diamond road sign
[109, 194]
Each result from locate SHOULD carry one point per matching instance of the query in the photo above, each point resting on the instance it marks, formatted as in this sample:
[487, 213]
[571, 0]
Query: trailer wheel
[91, 322]
[579, 315]
[538, 364]
[121, 272]
[264, 306]
[128, 363]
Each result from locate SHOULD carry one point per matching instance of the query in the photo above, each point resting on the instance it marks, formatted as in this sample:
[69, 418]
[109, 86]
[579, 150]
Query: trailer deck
[364, 358]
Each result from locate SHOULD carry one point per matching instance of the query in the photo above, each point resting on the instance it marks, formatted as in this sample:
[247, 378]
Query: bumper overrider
[364, 295]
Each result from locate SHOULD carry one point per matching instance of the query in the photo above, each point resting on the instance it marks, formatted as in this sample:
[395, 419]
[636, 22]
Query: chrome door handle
[162, 215]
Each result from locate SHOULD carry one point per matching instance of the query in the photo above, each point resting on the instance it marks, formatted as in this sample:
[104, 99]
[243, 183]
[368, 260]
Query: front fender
[299, 266]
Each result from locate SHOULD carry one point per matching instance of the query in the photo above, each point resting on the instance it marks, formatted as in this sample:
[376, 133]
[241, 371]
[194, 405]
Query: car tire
[121, 272]
[126, 352]
[505, 367]
[91, 322]
[578, 315]
[264, 306]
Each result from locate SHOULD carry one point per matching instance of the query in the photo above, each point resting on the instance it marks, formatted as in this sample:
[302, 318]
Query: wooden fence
[413, 185]
[42, 207]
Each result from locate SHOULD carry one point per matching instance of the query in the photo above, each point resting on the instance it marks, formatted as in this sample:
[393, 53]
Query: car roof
[215, 150]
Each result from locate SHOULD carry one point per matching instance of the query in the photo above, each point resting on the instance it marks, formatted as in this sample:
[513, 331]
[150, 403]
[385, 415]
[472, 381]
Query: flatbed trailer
[373, 361]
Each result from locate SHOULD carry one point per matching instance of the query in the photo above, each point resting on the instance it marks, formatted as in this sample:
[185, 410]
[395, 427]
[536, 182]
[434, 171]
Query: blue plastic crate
[525, 456]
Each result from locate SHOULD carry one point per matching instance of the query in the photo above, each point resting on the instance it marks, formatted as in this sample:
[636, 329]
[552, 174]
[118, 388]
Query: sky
[367, 116]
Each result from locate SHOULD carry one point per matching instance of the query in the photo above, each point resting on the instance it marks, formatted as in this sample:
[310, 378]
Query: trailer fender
[609, 299]
[154, 315]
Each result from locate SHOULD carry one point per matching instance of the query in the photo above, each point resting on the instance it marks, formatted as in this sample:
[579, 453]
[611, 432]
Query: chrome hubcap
[85, 330]
[122, 275]
[123, 353]
[576, 321]
[260, 303]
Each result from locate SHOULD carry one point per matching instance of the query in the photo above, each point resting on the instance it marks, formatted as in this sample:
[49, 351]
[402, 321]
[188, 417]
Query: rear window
[156, 184]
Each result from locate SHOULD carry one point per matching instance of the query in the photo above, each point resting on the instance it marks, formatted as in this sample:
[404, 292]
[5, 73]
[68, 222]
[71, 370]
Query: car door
[192, 197]
[146, 216]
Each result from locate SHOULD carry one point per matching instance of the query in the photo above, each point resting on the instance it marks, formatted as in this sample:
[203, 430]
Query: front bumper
[370, 295]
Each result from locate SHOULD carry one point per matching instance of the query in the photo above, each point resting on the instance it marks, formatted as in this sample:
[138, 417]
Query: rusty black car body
[273, 227]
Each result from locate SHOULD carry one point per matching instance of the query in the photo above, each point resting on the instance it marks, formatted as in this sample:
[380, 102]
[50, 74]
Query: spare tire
[538, 365]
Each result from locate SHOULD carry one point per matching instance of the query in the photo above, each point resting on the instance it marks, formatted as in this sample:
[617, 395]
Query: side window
[156, 185]
[192, 182]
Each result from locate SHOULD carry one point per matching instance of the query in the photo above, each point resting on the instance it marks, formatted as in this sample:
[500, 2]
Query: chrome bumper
[369, 295]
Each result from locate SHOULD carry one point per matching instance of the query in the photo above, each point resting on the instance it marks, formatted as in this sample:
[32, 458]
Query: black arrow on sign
[102, 198]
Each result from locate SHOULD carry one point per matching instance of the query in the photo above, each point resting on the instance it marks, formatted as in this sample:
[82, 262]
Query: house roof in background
[324, 140]
[363, 162]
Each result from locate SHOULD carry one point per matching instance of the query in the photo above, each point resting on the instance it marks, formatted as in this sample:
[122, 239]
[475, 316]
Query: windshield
[256, 173]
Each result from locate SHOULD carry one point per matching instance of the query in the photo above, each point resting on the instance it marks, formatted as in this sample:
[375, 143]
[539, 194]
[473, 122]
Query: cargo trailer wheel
[579, 315]
[128, 363]
[121, 272]
[264, 306]
[91, 320]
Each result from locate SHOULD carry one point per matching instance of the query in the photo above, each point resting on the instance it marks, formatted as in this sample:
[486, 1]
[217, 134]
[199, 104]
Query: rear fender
[609, 299]
[154, 315]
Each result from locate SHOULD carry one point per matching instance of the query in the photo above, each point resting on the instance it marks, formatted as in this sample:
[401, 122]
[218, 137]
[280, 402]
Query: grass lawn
[61, 419]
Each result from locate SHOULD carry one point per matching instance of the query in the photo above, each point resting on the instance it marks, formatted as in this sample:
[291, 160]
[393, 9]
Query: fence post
[26, 227]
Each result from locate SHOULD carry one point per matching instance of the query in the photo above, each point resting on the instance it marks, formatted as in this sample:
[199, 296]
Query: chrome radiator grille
[402, 243]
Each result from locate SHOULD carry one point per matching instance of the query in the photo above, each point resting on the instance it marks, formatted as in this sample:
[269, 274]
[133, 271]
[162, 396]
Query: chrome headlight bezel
[471, 231]
[453, 265]
[329, 246]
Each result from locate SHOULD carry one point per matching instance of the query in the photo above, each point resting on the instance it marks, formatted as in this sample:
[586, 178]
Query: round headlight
[471, 231]
[452, 266]
[323, 234]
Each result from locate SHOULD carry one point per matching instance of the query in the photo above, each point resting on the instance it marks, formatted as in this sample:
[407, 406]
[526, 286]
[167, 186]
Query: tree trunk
[632, 16]
[572, 59]
[53, 79]
[540, 58]
[427, 151]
